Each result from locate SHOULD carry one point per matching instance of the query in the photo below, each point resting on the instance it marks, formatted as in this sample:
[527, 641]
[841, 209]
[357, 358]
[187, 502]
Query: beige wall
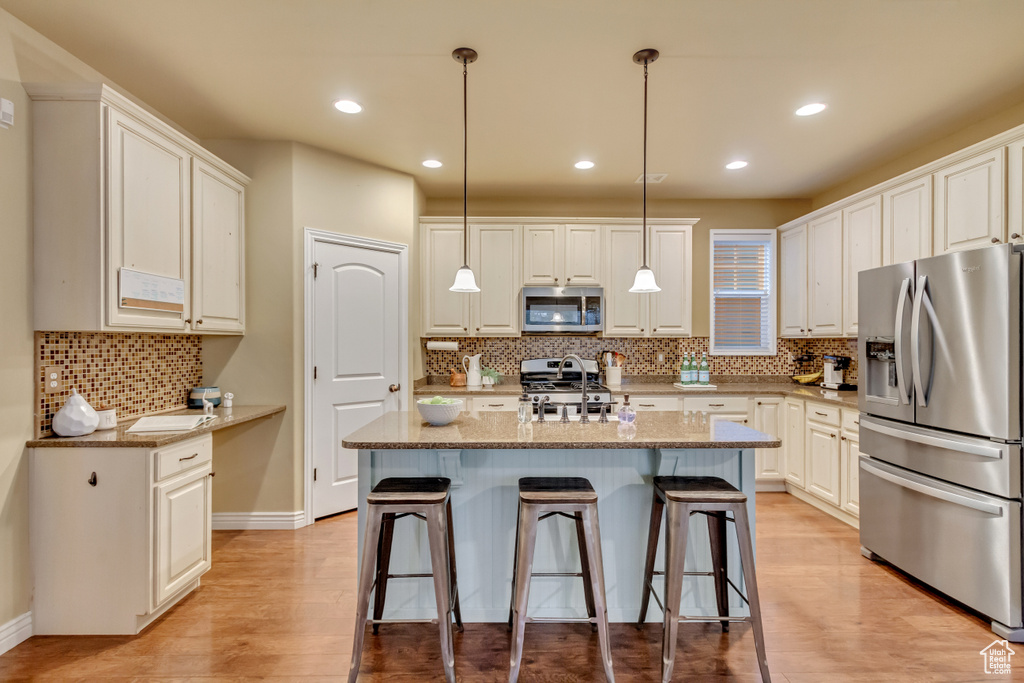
[713, 214]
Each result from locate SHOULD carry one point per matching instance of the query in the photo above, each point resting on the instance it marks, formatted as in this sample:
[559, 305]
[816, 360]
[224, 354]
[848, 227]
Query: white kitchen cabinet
[582, 255]
[907, 221]
[969, 203]
[543, 255]
[849, 458]
[218, 250]
[493, 403]
[793, 282]
[113, 191]
[670, 258]
[821, 446]
[625, 313]
[644, 403]
[825, 266]
[768, 419]
[494, 252]
[1015, 191]
[118, 535]
[793, 442]
[862, 250]
[444, 313]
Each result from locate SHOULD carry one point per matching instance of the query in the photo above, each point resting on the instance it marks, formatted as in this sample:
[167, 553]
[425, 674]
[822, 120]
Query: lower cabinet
[793, 442]
[118, 535]
[822, 448]
[492, 403]
[768, 419]
[849, 459]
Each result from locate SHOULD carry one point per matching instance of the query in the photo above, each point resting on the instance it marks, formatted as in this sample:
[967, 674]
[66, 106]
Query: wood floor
[279, 605]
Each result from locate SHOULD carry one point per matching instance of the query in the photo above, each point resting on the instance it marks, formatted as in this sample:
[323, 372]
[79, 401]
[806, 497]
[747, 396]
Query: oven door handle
[937, 441]
[911, 482]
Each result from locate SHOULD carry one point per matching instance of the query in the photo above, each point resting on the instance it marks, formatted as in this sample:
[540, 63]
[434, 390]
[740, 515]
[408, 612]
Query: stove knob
[536, 399]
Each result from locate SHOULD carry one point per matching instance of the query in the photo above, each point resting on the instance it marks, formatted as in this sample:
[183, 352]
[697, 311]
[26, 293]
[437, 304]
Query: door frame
[310, 237]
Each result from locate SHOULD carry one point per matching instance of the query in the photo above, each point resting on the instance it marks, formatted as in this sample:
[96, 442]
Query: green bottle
[705, 370]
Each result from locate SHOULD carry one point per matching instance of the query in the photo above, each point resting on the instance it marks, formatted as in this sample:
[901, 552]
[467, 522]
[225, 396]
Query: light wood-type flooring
[279, 605]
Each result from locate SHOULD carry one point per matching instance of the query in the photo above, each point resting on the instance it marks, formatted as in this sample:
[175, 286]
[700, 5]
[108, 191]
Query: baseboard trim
[15, 632]
[770, 485]
[223, 521]
[814, 501]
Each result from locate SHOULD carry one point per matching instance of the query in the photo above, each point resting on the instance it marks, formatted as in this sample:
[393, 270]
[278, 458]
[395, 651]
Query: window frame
[760, 234]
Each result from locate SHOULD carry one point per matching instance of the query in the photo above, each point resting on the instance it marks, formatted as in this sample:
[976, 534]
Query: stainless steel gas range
[540, 380]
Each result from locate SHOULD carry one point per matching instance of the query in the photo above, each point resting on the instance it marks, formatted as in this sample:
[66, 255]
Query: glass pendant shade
[466, 282]
[644, 282]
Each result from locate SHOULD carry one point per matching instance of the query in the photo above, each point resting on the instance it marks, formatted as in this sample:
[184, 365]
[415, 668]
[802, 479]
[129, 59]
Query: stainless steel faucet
[540, 408]
[584, 418]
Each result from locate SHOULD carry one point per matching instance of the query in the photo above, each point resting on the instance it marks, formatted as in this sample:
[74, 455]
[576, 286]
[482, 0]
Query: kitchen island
[485, 454]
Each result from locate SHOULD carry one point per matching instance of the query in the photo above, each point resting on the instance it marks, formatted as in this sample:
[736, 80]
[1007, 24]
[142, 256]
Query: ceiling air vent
[651, 178]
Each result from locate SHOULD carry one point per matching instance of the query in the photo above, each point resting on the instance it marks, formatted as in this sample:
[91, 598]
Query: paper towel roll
[442, 346]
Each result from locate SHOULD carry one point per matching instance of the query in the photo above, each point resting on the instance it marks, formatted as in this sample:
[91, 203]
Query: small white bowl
[439, 414]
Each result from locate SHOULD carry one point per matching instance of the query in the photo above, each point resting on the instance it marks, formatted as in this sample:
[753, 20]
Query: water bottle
[684, 369]
[691, 370]
[705, 371]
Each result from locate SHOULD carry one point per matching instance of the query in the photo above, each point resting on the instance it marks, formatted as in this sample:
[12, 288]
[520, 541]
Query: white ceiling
[555, 82]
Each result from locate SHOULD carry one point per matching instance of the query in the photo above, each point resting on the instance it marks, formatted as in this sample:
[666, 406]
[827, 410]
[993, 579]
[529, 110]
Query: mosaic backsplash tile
[134, 373]
[504, 353]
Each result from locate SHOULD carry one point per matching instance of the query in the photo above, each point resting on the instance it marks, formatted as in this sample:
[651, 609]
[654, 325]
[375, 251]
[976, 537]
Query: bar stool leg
[588, 586]
[592, 531]
[719, 563]
[750, 579]
[451, 566]
[440, 563]
[366, 576]
[515, 565]
[657, 507]
[521, 597]
[676, 530]
[387, 534]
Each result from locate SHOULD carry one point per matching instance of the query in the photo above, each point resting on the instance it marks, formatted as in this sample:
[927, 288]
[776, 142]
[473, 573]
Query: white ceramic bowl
[439, 414]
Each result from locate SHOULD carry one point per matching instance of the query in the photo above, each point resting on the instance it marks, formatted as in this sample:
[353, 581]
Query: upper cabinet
[1015, 193]
[445, 313]
[671, 258]
[494, 257]
[825, 298]
[862, 250]
[625, 313]
[907, 221]
[582, 255]
[793, 282]
[561, 255]
[969, 203]
[137, 228]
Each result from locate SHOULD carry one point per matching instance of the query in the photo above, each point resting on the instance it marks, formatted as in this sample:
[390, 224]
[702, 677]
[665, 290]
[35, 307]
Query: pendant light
[464, 279]
[644, 282]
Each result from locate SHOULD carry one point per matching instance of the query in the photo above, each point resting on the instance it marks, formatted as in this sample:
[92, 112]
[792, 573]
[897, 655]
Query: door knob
[394, 387]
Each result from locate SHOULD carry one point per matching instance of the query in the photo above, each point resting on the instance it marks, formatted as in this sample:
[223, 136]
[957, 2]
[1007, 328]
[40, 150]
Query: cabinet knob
[641, 329]
[478, 329]
[188, 321]
[556, 280]
[199, 322]
[1015, 235]
[995, 240]
[92, 479]
[802, 329]
[832, 435]
[213, 474]
[567, 280]
[465, 329]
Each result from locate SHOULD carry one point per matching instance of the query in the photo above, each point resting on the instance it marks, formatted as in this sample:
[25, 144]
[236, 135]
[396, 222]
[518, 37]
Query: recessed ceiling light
[432, 163]
[348, 106]
[811, 109]
[584, 164]
[733, 165]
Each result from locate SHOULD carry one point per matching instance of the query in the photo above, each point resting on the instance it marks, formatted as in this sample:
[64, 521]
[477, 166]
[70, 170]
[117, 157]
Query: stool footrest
[711, 620]
[563, 620]
[401, 621]
[409, 576]
[688, 574]
[549, 574]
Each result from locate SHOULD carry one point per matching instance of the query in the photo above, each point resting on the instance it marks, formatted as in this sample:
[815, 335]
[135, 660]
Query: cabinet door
[671, 254]
[149, 220]
[542, 255]
[218, 251]
[768, 419]
[825, 245]
[183, 520]
[445, 313]
[822, 447]
[793, 442]
[582, 255]
[969, 200]
[625, 312]
[494, 257]
[793, 282]
[850, 461]
[1015, 195]
[907, 222]
[862, 250]
[495, 403]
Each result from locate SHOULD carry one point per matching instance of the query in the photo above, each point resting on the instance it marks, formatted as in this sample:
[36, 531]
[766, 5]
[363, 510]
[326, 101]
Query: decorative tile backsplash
[134, 373]
[504, 353]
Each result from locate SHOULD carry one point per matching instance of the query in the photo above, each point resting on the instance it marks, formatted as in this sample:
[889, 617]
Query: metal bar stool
[425, 498]
[712, 497]
[573, 498]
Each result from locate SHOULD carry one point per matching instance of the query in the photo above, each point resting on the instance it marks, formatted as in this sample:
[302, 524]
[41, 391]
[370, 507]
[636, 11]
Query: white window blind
[743, 292]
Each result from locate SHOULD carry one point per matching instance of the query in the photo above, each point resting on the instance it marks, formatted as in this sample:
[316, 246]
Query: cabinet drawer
[851, 420]
[182, 456]
[716, 404]
[823, 414]
[641, 403]
[490, 403]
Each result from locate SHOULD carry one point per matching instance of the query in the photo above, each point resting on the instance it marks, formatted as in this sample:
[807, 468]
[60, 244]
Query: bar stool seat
[539, 499]
[428, 499]
[714, 498]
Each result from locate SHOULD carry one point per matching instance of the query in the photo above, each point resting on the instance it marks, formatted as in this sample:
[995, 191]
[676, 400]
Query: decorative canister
[108, 418]
[195, 397]
[76, 418]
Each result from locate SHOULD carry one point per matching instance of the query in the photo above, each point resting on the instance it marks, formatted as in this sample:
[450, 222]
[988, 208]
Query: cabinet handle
[194, 455]
[716, 405]
[92, 479]
[495, 405]
[856, 422]
[995, 240]
[822, 414]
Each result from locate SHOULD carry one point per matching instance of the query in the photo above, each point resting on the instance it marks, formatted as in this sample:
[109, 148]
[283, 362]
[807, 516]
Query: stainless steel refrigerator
[940, 427]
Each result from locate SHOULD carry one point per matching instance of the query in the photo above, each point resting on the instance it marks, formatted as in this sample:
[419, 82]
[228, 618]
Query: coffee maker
[834, 366]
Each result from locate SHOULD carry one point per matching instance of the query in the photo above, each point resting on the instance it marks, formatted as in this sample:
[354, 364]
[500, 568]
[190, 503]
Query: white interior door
[357, 349]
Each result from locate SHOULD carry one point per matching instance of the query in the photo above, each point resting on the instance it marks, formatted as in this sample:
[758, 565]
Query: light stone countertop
[120, 438]
[501, 430]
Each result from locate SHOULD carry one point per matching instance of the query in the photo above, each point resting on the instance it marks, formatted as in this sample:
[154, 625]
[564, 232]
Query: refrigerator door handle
[931, 440]
[912, 482]
[915, 346]
[901, 384]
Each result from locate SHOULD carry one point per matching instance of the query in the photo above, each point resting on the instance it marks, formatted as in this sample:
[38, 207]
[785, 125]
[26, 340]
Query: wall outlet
[54, 376]
[661, 358]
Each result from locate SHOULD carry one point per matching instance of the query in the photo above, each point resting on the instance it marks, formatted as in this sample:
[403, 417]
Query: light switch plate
[54, 378]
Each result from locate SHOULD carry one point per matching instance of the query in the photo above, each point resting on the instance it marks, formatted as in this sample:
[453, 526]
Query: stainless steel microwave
[563, 309]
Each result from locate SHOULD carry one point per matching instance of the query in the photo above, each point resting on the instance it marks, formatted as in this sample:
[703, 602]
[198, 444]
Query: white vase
[76, 418]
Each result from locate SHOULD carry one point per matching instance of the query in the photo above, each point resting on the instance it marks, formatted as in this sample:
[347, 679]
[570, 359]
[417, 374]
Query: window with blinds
[743, 292]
